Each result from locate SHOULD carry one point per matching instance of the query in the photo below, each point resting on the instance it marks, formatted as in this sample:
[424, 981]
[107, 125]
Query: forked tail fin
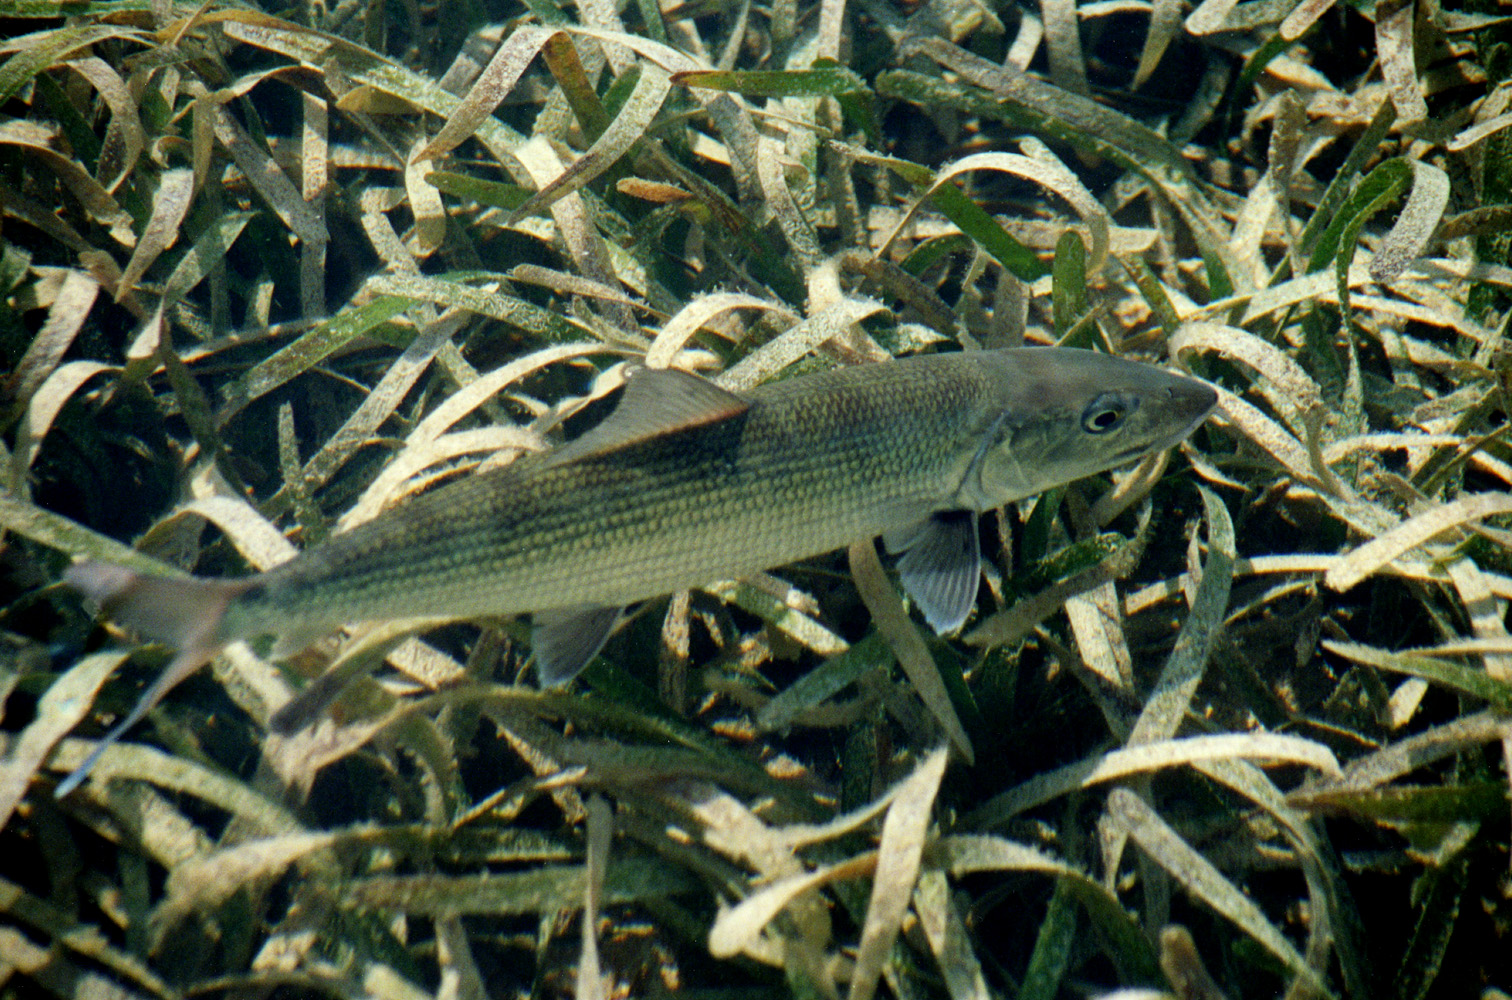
[182, 612]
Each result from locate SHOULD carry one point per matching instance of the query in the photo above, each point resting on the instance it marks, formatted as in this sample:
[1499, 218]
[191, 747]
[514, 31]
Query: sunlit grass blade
[1199, 877]
[309, 350]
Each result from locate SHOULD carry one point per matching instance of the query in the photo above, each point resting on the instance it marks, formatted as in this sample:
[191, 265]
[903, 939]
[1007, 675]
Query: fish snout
[1192, 398]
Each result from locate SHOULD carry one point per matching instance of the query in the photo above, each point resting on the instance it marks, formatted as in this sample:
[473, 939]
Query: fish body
[686, 483]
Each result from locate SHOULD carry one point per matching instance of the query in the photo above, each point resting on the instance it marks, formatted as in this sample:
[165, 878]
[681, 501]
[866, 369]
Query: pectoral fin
[941, 566]
[565, 639]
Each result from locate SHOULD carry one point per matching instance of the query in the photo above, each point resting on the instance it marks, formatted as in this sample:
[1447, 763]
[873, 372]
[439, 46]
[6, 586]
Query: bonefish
[686, 483]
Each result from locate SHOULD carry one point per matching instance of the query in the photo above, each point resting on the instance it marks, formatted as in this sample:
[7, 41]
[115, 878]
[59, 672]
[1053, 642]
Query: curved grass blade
[1205, 882]
[1466, 680]
[63, 706]
[627, 128]
[43, 49]
[821, 81]
[544, 890]
[306, 352]
[1046, 110]
[170, 203]
[1147, 758]
[898, 855]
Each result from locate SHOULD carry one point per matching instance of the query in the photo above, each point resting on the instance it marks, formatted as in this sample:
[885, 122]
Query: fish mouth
[1190, 396]
[1197, 398]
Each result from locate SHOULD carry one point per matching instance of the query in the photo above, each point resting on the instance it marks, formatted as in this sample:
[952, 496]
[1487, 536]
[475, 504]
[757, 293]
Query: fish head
[1056, 415]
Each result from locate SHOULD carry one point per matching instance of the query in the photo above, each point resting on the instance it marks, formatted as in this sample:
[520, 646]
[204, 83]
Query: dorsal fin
[655, 401]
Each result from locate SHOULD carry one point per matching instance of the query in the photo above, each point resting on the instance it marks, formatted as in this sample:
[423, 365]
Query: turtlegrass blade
[205, 255]
[898, 856]
[112, 156]
[1068, 67]
[571, 284]
[455, 292]
[961, 855]
[425, 202]
[831, 323]
[175, 774]
[1079, 570]
[1320, 866]
[1165, 26]
[907, 645]
[824, 682]
[795, 226]
[264, 174]
[255, 537]
[1045, 170]
[1198, 876]
[1052, 947]
[699, 313]
[43, 408]
[170, 203]
[958, 207]
[306, 352]
[1395, 48]
[1466, 680]
[781, 615]
[948, 938]
[477, 189]
[627, 128]
[1420, 217]
[352, 664]
[1401, 806]
[65, 535]
[1372, 557]
[380, 403]
[822, 81]
[498, 78]
[544, 890]
[590, 980]
[40, 50]
[561, 56]
[1382, 185]
[1068, 286]
[1366, 148]
[1428, 946]
[1284, 384]
[99, 203]
[1183, 670]
[573, 219]
[1406, 755]
[203, 883]
[976, 223]
[1050, 111]
[1147, 758]
[64, 706]
[738, 929]
[70, 308]
[44, 917]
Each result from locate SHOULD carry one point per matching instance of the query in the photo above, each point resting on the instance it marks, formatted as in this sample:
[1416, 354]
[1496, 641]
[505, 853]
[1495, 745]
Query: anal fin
[941, 567]
[565, 639]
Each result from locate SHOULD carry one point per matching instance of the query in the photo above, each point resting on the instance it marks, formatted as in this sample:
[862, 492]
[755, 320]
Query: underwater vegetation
[1230, 722]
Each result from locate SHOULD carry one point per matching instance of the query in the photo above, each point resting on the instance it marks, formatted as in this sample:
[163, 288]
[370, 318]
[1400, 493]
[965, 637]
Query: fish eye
[1107, 412]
